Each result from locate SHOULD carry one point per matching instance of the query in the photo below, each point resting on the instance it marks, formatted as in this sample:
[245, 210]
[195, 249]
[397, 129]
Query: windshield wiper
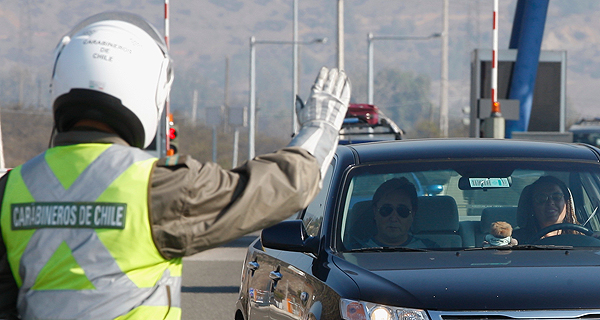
[387, 249]
[523, 247]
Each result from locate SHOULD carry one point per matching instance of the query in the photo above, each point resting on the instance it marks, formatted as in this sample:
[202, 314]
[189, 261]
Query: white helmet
[112, 67]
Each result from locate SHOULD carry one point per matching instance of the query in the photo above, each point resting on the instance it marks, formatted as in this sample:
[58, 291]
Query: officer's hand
[322, 116]
[328, 101]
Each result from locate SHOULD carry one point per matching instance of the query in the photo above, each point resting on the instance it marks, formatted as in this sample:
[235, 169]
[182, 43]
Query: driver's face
[393, 227]
[549, 205]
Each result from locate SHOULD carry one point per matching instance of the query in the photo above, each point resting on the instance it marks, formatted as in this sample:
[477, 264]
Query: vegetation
[197, 141]
[26, 133]
[403, 96]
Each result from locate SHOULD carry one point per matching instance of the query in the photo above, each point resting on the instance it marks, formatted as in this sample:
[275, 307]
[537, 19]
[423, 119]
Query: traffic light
[172, 135]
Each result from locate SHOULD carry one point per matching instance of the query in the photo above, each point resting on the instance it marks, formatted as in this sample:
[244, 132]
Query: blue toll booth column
[527, 35]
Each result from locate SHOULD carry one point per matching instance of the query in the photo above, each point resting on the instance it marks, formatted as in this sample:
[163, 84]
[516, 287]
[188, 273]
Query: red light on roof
[366, 112]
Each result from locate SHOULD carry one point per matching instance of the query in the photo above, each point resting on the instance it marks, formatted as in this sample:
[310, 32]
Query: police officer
[96, 228]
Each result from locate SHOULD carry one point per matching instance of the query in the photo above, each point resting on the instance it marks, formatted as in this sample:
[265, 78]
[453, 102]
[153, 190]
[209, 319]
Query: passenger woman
[545, 202]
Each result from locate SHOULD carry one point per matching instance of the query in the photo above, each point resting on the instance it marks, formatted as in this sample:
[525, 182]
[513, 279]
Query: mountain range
[209, 43]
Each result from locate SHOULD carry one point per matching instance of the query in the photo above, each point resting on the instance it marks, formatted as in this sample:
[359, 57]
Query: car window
[460, 202]
[314, 213]
[589, 200]
[592, 138]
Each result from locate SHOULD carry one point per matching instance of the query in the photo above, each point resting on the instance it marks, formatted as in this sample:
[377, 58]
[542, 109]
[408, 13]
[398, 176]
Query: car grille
[521, 315]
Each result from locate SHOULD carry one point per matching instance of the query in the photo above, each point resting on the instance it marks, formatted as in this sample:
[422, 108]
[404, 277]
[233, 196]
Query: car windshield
[474, 204]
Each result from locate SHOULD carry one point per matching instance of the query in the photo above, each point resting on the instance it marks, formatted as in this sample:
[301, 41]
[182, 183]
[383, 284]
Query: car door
[259, 265]
[293, 287]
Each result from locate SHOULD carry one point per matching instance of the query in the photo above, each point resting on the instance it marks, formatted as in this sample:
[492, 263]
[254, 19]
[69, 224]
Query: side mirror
[289, 235]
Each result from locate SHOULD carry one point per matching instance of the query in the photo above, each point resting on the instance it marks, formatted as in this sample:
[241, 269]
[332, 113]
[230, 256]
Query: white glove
[322, 116]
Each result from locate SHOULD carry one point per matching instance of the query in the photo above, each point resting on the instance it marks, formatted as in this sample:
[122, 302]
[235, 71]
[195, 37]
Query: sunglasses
[387, 209]
[541, 198]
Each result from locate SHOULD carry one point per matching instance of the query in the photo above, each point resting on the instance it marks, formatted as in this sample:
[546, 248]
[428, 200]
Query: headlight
[361, 310]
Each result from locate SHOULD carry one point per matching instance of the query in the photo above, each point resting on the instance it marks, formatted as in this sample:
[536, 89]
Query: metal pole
[252, 111]
[226, 91]
[444, 76]
[214, 141]
[494, 92]
[194, 108]
[370, 68]
[494, 126]
[295, 69]
[226, 96]
[167, 23]
[168, 100]
[370, 49]
[340, 35]
[236, 139]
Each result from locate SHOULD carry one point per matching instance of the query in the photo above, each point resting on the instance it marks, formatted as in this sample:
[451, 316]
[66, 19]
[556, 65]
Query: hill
[206, 33]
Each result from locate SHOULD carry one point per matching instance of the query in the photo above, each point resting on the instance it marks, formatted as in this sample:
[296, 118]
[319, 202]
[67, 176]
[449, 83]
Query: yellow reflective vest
[76, 225]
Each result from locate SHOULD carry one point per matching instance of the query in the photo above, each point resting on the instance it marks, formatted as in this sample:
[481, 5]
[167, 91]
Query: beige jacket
[197, 206]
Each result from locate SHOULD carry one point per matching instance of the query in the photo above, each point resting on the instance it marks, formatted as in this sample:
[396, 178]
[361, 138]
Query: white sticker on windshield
[489, 182]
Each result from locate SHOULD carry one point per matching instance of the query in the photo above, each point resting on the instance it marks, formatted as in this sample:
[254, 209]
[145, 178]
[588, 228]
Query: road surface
[211, 281]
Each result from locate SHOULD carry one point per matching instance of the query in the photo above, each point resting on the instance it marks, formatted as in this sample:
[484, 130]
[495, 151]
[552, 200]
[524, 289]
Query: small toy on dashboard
[500, 235]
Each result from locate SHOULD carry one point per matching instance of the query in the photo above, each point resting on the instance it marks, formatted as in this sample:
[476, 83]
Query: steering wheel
[567, 226]
[566, 239]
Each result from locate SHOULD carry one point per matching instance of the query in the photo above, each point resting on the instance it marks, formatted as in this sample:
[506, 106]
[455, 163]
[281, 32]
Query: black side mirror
[289, 235]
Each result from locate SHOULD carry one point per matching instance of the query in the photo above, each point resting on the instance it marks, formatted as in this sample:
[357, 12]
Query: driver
[545, 202]
[394, 205]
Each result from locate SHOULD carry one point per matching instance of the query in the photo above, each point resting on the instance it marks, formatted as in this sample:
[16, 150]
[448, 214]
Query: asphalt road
[211, 281]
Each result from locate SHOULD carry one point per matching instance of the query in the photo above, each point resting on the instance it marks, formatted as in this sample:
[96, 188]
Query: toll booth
[548, 112]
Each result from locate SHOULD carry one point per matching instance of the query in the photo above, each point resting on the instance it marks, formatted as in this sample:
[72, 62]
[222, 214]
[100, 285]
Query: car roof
[469, 148]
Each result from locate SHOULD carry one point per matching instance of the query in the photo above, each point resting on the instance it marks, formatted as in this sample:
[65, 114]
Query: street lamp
[252, 110]
[370, 39]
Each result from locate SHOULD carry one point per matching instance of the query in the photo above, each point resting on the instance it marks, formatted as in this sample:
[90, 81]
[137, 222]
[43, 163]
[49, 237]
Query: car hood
[488, 280]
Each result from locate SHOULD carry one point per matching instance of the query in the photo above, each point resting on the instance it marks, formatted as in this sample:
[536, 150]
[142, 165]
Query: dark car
[587, 131]
[323, 265]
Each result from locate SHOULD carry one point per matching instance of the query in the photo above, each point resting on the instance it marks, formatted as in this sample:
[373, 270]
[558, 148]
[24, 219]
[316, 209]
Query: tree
[403, 96]
[425, 129]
